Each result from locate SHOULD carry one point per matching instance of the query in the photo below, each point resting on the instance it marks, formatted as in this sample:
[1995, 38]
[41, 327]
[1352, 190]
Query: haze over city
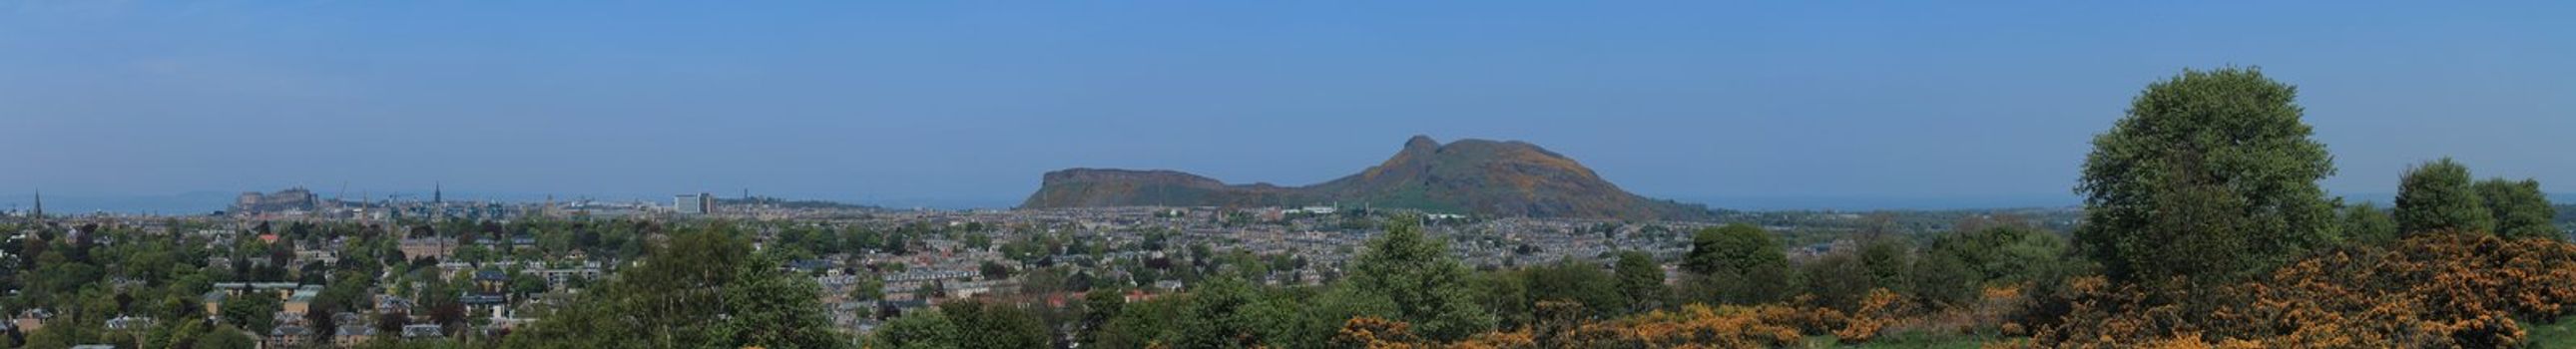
[1767, 105]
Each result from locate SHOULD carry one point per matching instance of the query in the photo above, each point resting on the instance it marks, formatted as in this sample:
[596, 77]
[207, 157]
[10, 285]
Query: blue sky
[969, 101]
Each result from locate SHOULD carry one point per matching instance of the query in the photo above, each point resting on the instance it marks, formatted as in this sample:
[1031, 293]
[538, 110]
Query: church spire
[40, 204]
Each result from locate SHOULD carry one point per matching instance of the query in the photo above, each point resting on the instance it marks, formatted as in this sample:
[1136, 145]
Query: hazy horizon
[1767, 104]
[200, 202]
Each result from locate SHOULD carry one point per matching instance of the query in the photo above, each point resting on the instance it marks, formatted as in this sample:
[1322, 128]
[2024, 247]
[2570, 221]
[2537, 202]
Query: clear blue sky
[972, 100]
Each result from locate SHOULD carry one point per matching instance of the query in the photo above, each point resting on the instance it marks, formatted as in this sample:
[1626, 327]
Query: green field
[2556, 335]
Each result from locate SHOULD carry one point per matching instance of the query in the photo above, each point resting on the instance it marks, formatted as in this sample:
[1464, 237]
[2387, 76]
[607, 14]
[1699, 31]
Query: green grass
[2556, 335]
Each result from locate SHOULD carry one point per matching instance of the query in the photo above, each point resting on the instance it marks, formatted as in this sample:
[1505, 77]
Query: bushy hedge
[2435, 290]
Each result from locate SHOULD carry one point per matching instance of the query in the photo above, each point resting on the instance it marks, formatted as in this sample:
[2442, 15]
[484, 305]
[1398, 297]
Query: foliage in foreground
[2437, 290]
[2449, 289]
[1563, 325]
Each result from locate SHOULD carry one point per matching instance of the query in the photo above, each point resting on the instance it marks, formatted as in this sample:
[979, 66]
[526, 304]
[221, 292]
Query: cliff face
[1496, 178]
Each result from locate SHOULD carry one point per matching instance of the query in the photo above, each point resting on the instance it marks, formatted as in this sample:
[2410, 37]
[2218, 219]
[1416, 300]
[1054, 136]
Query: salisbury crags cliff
[1495, 178]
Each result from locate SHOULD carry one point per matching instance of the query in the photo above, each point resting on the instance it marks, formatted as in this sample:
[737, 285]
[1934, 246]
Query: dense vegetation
[702, 288]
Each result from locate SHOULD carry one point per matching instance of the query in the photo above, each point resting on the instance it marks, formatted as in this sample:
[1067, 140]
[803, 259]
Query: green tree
[2437, 196]
[2368, 224]
[1502, 293]
[1292, 318]
[1416, 275]
[1141, 323]
[524, 284]
[2520, 209]
[920, 329]
[1888, 261]
[978, 241]
[227, 337]
[1739, 264]
[867, 286]
[704, 287]
[994, 270]
[1641, 281]
[1573, 281]
[2218, 159]
[1214, 317]
[1944, 279]
[983, 325]
[1955, 265]
[1098, 307]
[1836, 280]
[768, 307]
[254, 311]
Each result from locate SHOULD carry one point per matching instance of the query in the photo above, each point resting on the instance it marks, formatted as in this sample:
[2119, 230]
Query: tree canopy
[705, 287]
[1739, 264]
[1417, 276]
[2210, 173]
[2519, 208]
[2366, 223]
[2437, 196]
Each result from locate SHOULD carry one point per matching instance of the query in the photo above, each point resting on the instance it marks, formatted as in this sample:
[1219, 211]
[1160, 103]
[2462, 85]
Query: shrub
[2437, 290]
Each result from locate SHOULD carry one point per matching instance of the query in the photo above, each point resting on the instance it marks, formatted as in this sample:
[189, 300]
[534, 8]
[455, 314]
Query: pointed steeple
[437, 193]
[40, 203]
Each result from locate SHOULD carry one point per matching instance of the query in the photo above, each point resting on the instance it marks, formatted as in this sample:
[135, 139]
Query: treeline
[1403, 279]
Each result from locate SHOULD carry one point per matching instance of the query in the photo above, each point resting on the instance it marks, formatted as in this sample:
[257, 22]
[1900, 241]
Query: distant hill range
[1493, 178]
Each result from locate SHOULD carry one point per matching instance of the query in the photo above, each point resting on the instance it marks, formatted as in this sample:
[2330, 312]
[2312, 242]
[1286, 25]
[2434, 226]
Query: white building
[700, 203]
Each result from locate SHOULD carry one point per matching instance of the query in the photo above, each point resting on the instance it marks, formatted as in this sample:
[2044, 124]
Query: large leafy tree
[1574, 281]
[994, 325]
[1214, 317]
[1098, 307]
[769, 307]
[2367, 223]
[1739, 264]
[1641, 281]
[252, 311]
[1417, 277]
[2437, 196]
[704, 287]
[2519, 208]
[1138, 325]
[926, 330]
[1956, 265]
[2210, 173]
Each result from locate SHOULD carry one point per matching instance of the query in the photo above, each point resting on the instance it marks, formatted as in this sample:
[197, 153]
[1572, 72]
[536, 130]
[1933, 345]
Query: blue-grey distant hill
[1493, 178]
